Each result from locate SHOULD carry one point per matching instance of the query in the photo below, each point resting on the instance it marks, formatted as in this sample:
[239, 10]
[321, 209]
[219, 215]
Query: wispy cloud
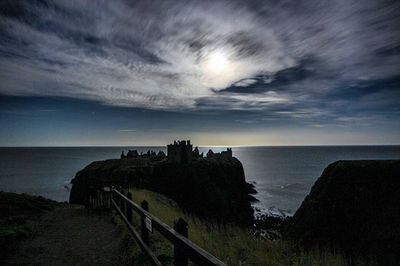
[156, 55]
[127, 130]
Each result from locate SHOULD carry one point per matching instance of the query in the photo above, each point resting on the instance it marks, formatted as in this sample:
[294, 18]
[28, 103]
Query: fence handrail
[141, 243]
[194, 252]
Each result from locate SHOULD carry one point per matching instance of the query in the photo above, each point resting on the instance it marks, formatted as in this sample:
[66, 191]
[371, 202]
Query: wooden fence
[184, 249]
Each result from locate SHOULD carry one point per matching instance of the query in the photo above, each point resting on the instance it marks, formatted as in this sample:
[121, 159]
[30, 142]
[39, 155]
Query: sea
[283, 176]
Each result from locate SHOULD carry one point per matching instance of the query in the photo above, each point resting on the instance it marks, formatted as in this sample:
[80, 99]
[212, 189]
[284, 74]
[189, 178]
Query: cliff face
[353, 207]
[213, 188]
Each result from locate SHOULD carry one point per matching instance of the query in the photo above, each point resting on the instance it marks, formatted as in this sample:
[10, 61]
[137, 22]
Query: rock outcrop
[212, 188]
[354, 207]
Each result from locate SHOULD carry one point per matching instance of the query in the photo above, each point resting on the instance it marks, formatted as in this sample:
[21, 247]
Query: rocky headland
[211, 187]
[353, 208]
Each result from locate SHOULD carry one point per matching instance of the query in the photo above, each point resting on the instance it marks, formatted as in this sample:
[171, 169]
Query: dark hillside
[353, 207]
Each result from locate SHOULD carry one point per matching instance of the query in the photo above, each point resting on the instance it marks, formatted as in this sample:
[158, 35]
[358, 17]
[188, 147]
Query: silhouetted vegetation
[16, 213]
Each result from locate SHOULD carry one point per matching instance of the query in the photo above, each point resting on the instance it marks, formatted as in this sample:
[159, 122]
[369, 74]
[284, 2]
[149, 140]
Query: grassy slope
[234, 245]
[17, 209]
[16, 213]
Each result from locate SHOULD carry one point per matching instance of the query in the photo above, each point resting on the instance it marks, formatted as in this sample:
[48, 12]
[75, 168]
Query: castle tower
[180, 152]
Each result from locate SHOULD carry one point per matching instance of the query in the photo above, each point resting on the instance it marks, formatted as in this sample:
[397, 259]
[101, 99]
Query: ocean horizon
[282, 175]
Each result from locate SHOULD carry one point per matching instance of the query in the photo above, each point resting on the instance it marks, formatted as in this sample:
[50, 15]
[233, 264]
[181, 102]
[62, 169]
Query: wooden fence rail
[184, 249]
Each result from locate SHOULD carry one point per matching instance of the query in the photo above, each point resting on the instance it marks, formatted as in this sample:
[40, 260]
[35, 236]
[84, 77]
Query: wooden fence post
[129, 208]
[180, 256]
[108, 198]
[119, 198]
[101, 198]
[111, 195]
[93, 196]
[145, 232]
[87, 198]
[125, 204]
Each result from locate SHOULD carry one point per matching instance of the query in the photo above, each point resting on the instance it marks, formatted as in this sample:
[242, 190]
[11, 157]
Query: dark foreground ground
[70, 236]
[61, 235]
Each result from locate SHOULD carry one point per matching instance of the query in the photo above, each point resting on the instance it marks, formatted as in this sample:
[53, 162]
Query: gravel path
[71, 235]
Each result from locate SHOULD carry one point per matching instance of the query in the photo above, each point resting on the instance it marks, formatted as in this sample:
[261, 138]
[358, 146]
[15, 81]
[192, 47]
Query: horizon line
[200, 146]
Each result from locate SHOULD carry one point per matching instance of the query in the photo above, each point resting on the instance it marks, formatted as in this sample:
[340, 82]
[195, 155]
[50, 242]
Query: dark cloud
[280, 80]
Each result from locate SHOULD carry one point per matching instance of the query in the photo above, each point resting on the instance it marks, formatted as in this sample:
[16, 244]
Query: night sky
[124, 72]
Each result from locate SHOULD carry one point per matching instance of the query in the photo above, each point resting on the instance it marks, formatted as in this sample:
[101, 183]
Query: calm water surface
[283, 176]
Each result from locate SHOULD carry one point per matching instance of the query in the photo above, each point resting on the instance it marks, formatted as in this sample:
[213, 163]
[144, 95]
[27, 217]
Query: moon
[217, 63]
[218, 69]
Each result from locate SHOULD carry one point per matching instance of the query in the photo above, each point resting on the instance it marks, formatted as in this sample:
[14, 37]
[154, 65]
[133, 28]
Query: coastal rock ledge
[354, 207]
[212, 187]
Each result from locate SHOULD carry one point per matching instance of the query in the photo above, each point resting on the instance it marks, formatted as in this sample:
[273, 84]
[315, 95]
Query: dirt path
[71, 236]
